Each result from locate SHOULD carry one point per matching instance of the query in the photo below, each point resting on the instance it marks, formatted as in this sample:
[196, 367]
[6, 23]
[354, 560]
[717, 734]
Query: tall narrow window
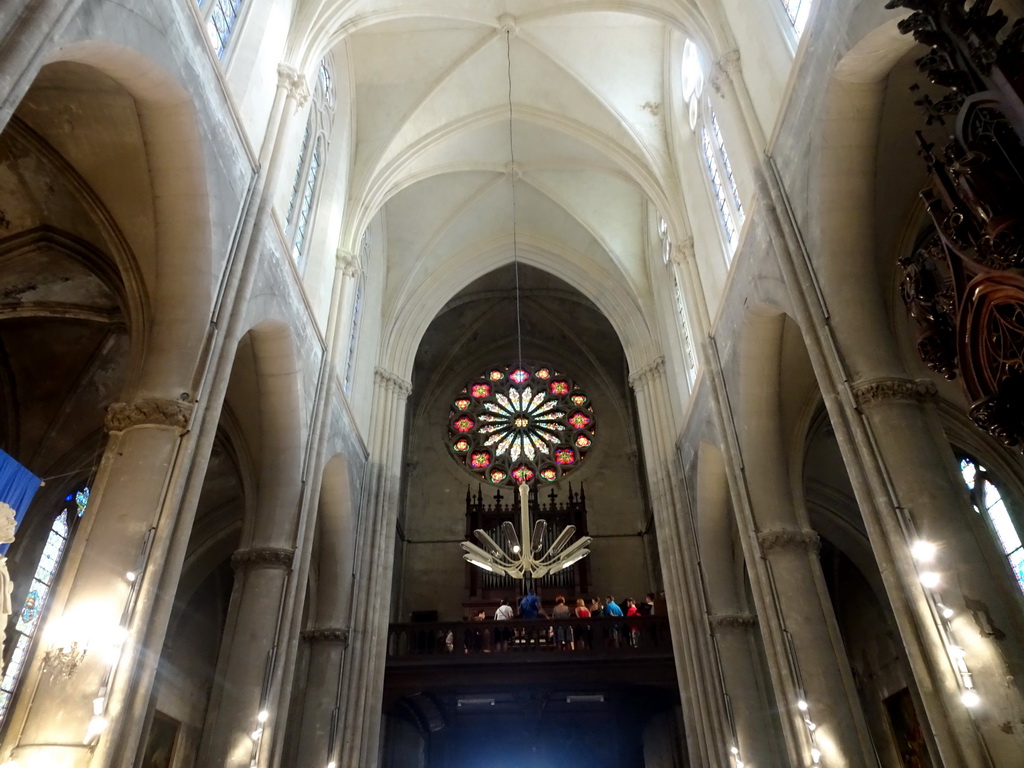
[988, 502]
[305, 186]
[689, 355]
[219, 17]
[718, 167]
[353, 336]
[43, 579]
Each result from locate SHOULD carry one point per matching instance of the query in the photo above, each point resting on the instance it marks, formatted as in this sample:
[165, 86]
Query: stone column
[362, 697]
[133, 497]
[28, 26]
[234, 732]
[819, 669]
[703, 708]
[735, 639]
[933, 505]
[318, 730]
[896, 457]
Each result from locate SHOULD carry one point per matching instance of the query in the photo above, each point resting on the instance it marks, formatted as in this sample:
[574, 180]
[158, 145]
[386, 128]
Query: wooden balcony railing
[506, 641]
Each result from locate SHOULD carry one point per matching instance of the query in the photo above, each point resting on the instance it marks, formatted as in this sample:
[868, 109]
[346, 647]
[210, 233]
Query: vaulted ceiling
[435, 133]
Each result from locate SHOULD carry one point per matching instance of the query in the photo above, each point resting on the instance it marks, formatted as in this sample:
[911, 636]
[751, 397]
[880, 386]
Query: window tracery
[714, 155]
[312, 154]
[517, 423]
[34, 605]
[219, 18]
[988, 502]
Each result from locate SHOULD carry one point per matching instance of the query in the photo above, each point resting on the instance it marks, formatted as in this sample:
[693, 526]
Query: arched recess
[476, 330]
[778, 393]
[73, 313]
[335, 548]
[327, 620]
[139, 119]
[852, 212]
[264, 397]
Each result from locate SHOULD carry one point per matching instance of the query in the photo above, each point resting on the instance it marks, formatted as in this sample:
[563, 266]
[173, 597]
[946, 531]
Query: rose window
[517, 423]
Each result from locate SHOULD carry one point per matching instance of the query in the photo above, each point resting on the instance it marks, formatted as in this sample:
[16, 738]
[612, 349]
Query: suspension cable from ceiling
[512, 157]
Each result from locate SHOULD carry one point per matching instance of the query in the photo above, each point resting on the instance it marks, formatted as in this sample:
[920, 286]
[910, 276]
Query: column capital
[732, 620]
[336, 635]
[724, 71]
[263, 557]
[643, 374]
[682, 252]
[294, 82]
[348, 262]
[392, 382]
[788, 538]
[152, 412]
[871, 392]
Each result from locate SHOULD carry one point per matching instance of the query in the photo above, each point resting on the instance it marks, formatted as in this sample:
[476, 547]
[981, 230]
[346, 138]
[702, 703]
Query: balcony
[636, 649]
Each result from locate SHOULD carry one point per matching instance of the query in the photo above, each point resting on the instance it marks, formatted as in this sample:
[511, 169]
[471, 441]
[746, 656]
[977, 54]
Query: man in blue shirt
[529, 606]
[611, 608]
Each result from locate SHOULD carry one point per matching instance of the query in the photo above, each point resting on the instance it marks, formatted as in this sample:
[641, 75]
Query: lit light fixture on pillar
[525, 560]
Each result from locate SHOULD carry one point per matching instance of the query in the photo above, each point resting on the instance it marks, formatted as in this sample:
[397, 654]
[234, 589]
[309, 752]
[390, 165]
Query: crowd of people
[568, 629]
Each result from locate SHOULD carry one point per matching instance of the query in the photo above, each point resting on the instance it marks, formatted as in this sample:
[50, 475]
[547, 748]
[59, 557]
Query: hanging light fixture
[524, 559]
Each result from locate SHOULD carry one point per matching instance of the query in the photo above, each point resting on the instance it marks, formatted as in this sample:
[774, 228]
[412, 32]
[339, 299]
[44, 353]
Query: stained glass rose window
[517, 423]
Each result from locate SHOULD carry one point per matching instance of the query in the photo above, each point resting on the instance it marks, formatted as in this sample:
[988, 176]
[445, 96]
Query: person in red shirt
[584, 633]
[634, 630]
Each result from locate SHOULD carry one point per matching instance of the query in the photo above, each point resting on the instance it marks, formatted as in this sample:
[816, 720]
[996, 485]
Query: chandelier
[523, 559]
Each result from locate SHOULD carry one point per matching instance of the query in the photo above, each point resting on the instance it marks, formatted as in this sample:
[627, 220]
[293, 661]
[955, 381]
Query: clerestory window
[717, 166]
[312, 153]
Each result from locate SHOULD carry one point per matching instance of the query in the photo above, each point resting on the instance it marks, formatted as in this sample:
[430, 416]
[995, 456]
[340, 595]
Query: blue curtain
[17, 487]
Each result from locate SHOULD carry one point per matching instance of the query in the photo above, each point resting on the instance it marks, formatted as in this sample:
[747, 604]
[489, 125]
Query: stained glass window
[39, 590]
[219, 17]
[312, 153]
[988, 501]
[520, 423]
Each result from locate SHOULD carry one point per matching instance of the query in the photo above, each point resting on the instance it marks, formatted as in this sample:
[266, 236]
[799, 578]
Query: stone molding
[732, 620]
[788, 538]
[263, 557]
[348, 262]
[682, 252]
[338, 635]
[724, 70]
[650, 371]
[874, 391]
[155, 412]
[294, 82]
[392, 382]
